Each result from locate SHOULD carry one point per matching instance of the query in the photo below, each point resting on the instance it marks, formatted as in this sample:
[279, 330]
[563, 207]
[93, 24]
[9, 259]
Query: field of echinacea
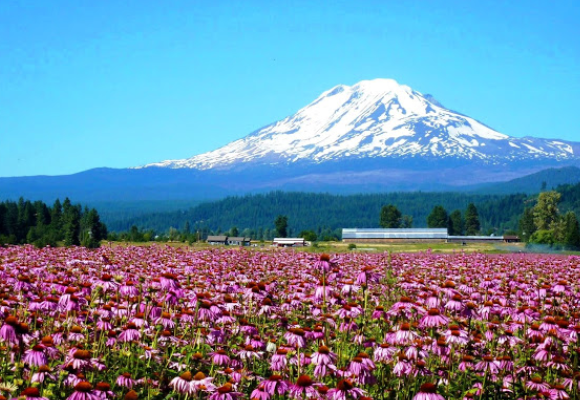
[166, 323]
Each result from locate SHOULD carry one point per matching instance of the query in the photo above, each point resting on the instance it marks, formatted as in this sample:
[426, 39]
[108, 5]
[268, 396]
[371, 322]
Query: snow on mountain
[374, 119]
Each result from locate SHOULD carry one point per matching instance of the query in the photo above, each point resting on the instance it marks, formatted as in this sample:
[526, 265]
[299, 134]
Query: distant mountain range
[374, 136]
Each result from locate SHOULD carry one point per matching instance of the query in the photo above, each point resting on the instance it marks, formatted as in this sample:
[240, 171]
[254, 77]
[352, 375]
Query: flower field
[168, 323]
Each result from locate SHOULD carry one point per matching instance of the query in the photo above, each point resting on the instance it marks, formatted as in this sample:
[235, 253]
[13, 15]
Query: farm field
[163, 322]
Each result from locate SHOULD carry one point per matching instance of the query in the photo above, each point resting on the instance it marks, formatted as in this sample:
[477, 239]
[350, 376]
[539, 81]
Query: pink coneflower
[295, 337]
[42, 374]
[35, 356]
[384, 353]
[304, 388]
[466, 363]
[558, 392]
[322, 359]
[182, 383]
[103, 391]
[31, 393]
[276, 385]
[125, 380]
[8, 330]
[344, 388]
[165, 320]
[220, 357]
[488, 364]
[279, 361]
[81, 359]
[225, 392]
[83, 391]
[76, 334]
[378, 313]
[129, 290]
[404, 335]
[433, 319]
[455, 304]
[428, 391]
[323, 265]
[130, 333]
[202, 383]
[249, 353]
[204, 311]
[537, 384]
[260, 393]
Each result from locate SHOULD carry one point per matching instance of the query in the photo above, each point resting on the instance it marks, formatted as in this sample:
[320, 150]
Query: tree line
[322, 213]
[457, 223]
[543, 223]
[37, 223]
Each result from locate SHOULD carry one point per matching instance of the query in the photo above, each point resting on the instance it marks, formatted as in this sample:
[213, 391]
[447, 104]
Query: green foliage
[543, 236]
[351, 246]
[571, 231]
[281, 224]
[472, 225]
[527, 227]
[319, 212]
[546, 210]
[438, 218]
[37, 223]
[391, 217]
[456, 223]
[309, 235]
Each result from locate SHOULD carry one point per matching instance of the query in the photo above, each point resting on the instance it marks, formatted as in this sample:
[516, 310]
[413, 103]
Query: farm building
[409, 235]
[213, 240]
[225, 240]
[289, 242]
[412, 235]
[239, 241]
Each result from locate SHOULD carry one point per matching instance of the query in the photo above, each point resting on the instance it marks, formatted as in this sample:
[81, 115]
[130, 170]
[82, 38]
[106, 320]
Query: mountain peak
[373, 119]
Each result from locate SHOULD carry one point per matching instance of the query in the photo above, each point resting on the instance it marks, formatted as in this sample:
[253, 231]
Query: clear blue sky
[86, 84]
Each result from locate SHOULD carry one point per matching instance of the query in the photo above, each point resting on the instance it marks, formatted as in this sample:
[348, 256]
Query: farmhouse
[225, 240]
[412, 235]
[289, 242]
[239, 241]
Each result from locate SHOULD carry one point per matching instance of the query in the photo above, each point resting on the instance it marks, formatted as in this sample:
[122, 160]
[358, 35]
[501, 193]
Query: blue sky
[86, 84]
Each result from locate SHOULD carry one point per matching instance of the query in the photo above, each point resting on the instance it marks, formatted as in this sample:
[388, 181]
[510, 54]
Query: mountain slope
[551, 178]
[376, 119]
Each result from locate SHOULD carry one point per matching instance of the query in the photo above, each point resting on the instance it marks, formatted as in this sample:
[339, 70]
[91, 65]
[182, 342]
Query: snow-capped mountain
[375, 119]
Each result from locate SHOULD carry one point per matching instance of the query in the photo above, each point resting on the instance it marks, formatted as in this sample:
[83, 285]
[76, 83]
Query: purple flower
[31, 393]
[428, 391]
[125, 380]
[344, 389]
[304, 388]
[433, 319]
[225, 392]
[35, 356]
[83, 391]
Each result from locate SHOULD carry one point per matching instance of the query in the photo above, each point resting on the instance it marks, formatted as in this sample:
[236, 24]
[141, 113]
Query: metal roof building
[410, 235]
[356, 234]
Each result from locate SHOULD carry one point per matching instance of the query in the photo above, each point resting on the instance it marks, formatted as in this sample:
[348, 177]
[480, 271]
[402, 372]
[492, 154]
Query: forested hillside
[37, 223]
[324, 213]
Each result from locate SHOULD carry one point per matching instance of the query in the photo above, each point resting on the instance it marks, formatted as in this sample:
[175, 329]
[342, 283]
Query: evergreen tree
[571, 231]
[438, 218]
[281, 224]
[407, 221]
[456, 223]
[527, 227]
[391, 217]
[71, 225]
[472, 225]
[234, 232]
[546, 210]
